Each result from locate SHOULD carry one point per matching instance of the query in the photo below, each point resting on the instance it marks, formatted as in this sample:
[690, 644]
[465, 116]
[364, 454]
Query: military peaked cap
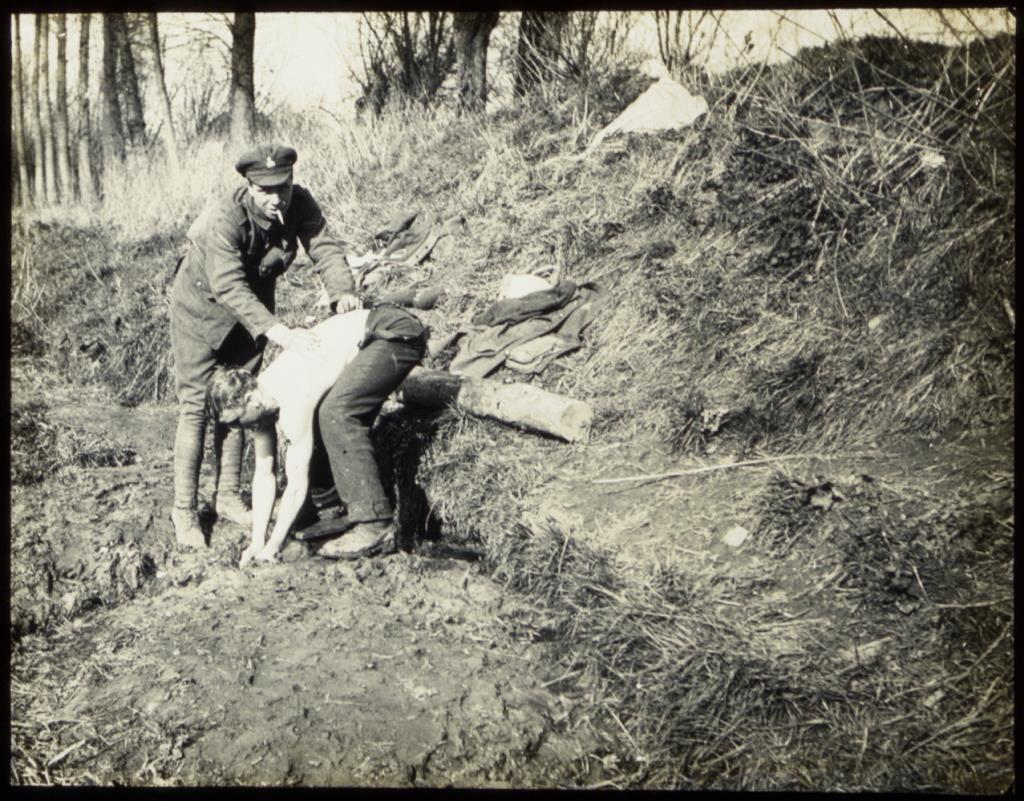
[269, 165]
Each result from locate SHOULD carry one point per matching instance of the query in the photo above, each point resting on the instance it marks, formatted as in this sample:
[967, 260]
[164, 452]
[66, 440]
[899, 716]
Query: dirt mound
[97, 312]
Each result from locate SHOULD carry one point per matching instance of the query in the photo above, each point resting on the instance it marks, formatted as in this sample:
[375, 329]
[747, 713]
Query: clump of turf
[41, 447]
[33, 443]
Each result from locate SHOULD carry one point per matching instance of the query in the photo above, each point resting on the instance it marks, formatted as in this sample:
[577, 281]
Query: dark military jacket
[227, 277]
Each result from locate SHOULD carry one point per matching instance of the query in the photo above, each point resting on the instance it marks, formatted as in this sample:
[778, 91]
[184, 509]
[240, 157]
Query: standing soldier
[222, 313]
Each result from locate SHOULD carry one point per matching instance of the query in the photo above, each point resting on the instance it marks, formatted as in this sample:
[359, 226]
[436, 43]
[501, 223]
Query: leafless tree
[374, 80]
[112, 131]
[594, 43]
[128, 80]
[683, 36]
[242, 94]
[438, 53]
[85, 185]
[36, 120]
[46, 109]
[472, 37]
[201, 94]
[164, 104]
[408, 52]
[18, 117]
[539, 47]
[62, 129]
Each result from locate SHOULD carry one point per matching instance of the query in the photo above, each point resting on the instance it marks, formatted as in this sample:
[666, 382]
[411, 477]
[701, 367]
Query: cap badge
[270, 162]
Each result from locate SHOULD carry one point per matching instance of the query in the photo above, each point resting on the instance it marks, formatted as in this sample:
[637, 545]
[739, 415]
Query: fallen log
[517, 404]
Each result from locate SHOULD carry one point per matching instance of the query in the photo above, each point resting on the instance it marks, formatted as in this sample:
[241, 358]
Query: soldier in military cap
[222, 312]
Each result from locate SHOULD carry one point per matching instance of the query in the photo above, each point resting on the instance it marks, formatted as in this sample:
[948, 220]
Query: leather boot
[366, 539]
[186, 528]
[232, 508]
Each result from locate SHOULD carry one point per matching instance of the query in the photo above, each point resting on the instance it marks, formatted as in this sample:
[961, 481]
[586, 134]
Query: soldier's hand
[347, 303]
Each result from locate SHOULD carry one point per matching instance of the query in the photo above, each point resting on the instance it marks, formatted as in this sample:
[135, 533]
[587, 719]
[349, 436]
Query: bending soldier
[365, 356]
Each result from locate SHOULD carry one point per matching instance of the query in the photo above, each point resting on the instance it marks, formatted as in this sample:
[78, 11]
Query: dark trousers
[347, 412]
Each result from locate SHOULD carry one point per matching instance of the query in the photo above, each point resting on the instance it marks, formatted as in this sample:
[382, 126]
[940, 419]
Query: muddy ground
[152, 666]
[134, 663]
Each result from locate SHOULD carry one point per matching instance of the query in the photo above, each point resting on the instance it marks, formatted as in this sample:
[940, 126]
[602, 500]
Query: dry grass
[874, 628]
[93, 307]
[68, 751]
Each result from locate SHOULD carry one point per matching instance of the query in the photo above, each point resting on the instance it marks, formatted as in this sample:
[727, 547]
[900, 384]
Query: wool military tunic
[235, 255]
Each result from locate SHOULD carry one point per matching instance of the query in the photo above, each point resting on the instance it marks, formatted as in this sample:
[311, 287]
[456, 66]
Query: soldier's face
[272, 201]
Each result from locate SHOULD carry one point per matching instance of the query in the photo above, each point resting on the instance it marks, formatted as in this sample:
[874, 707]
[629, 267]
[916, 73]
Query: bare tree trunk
[242, 97]
[112, 134]
[62, 128]
[540, 39]
[36, 120]
[46, 110]
[129, 82]
[440, 51]
[85, 185]
[166, 122]
[18, 118]
[472, 36]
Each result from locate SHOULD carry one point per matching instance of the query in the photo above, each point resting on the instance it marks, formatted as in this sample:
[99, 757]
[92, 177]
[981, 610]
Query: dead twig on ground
[56, 760]
[748, 463]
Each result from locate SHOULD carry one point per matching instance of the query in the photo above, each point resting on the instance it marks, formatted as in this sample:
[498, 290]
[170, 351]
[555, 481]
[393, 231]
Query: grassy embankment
[824, 261]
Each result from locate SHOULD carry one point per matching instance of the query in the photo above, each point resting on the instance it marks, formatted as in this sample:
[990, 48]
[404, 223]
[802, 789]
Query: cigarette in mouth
[280, 218]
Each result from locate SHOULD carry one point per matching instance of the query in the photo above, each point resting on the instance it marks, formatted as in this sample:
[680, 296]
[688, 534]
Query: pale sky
[306, 57]
[304, 60]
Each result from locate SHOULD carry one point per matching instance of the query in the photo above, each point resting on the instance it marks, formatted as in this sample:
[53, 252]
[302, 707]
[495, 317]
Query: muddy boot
[330, 523]
[186, 528]
[232, 508]
[366, 539]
